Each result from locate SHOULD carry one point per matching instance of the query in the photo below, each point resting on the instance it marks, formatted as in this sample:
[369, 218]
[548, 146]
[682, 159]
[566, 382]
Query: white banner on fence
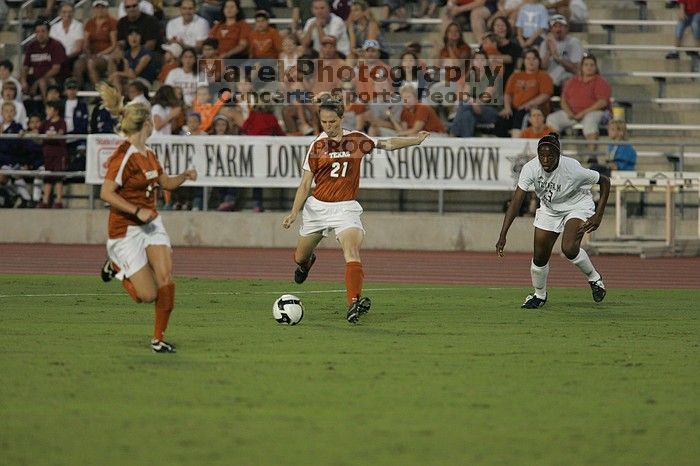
[262, 161]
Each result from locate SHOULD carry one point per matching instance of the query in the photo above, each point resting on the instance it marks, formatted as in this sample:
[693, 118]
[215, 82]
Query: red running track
[380, 266]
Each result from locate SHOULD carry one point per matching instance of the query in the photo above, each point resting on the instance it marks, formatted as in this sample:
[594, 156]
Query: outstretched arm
[300, 198]
[173, 182]
[398, 143]
[515, 203]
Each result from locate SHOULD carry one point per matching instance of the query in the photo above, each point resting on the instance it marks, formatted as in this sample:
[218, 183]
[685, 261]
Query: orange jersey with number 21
[336, 165]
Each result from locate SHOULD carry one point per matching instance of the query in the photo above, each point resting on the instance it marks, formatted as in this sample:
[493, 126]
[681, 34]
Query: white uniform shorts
[129, 252]
[549, 220]
[319, 216]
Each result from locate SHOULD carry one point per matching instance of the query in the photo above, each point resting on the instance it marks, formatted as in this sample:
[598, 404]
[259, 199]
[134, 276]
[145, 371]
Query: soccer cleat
[533, 302]
[357, 308]
[108, 272]
[160, 346]
[301, 273]
[598, 290]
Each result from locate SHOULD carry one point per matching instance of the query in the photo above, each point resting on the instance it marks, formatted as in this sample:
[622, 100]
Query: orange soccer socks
[165, 302]
[353, 280]
[131, 289]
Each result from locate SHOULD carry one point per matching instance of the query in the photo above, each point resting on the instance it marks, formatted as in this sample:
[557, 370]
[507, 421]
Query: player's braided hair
[553, 140]
[327, 101]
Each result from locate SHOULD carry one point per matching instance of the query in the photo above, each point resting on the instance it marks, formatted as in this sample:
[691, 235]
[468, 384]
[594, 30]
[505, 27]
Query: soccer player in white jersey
[566, 207]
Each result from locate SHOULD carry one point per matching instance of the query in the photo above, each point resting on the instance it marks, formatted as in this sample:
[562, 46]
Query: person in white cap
[325, 23]
[188, 29]
[561, 53]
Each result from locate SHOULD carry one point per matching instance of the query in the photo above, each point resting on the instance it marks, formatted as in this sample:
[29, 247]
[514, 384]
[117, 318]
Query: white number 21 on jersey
[336, 168]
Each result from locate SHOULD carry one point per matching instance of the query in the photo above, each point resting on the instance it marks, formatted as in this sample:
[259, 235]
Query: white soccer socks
[539, 279]
[584, 264]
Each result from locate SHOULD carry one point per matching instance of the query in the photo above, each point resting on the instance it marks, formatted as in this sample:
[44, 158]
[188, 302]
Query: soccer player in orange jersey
[138, 244]
[333, 162]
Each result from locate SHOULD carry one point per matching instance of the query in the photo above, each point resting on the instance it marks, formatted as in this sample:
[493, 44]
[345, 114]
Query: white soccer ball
[288, 310]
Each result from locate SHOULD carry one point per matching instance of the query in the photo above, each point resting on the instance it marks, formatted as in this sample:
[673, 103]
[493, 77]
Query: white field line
[217, 293]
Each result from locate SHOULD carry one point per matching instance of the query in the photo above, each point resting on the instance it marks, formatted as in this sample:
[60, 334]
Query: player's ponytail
[131, 116]
[551, 139]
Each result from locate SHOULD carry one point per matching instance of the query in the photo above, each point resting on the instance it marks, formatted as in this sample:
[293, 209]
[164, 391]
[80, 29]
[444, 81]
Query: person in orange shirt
[138, 245]
[415, 117]
[264, 41]
[333, 162]
[207, 110]
[232, 33]
[531, 87]
[537, 129]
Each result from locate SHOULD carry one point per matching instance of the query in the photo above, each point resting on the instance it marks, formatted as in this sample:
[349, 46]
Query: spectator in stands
[101, 121]
[261, 122]
[69, 32]
[688, 15]
[374, 87]
[211, 10]
[474, 12]
[221, 126]
[453, 43]
[291, 50]
[531, 23]
[43, 58]
[583, 100]
[185, 77]
[137, 91]
[207, 110]
[395, 15]
[296, 113]
[55, 154]
[76, 116]
[265, 42]
[620, 156]
[508, 49]
[188, 29]
[209, 66]
[6, 69]
[415, 117]
[146, 25]
[508, 10]
[331, 61]
[409, 73]
[232, 33]
[138, 60]
[325, 23]
[354, 117]
[361, 26]
[526, 89]
[99, 41]
[166, 107]
[144, 6]
[53, 92]
[537, 129]
[171, 60]
[475, 105]
[193, 126]
[9, 147]
[9, 155]
[9, 94]
[575, 11]
[561, 53]
[33, 156]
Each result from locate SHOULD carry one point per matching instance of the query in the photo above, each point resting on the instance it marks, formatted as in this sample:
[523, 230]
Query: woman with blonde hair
[138, 246]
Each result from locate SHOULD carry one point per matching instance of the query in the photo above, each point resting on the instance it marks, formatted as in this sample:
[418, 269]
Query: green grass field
[432, 376]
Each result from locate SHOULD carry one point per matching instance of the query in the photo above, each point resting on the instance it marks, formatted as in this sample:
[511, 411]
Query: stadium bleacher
[630, 39]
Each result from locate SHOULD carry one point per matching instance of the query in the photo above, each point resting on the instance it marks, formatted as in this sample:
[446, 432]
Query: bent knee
[570, 251]
[148, 297]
